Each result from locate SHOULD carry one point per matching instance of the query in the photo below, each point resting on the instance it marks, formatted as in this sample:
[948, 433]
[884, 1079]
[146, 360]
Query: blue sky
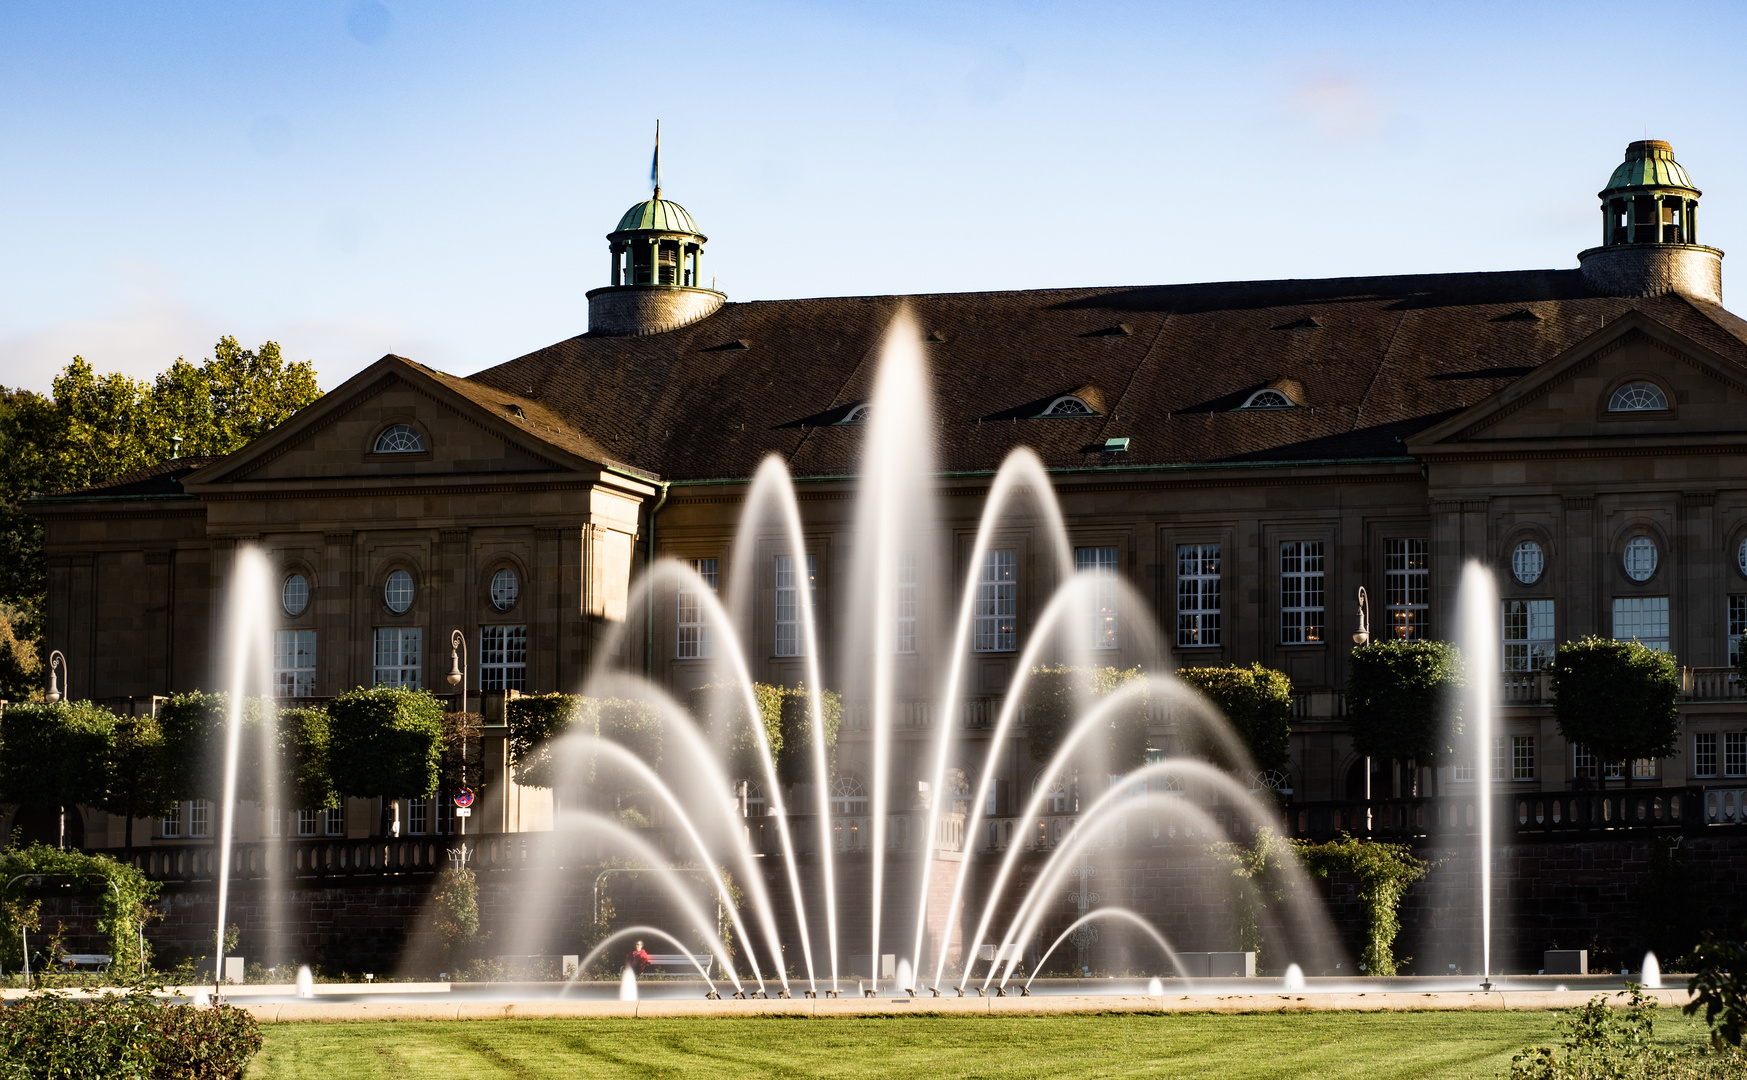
[436, 179]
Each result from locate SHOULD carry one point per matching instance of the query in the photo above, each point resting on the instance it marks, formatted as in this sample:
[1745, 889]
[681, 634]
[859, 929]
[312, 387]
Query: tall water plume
[248, 650]
[1477, 626]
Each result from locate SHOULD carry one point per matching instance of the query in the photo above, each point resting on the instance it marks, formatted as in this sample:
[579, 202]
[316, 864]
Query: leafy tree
[196, 727]
[139, 784]
[1258, 703]
[306, 760]
[93, 428]
[1403, 700]
[1384, 871]
[21, 675]
[1617, 698]
[386, 743]
[721, 712]
[794, 763]
[1057, 697]
[56, 754]
[534, 721]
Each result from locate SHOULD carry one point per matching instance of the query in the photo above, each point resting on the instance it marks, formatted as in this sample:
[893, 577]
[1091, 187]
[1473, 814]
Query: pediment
[455, 431]
[1568, 397]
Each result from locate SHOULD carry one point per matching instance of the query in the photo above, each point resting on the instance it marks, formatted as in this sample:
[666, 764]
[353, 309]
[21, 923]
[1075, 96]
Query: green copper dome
[1650, 163]
[657, 215]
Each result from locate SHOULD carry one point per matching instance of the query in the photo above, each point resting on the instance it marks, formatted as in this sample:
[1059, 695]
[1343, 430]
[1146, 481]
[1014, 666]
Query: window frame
[789, 633]
[1522, 758]
[1665, 643]
[508, 673]
[904, 605]
[300, 675]
[1635, 383]
[424, 438]
[402, 634]
[1196, 624]
[1307, 633]
[1403, 583]
[1705, 758]
[1250, 402]
[1103, 625]
[1533, 647]
[708, 567]
[1734, 627]
[996, 601]
[388, 583]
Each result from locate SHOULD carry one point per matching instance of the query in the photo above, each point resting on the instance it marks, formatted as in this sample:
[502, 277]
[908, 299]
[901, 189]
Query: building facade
[1239, 457]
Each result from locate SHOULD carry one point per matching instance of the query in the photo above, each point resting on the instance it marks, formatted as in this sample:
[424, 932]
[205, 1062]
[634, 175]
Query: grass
[1375, 1046]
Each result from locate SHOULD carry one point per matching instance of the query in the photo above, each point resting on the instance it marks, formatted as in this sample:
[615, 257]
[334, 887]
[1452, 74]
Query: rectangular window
[417, 816]
[398, 652]
[1735, 753]
[334, 821]
[199, 817]
[1500, 757]
[1197, 595]
[1737, 627]
[694, 633]
[1407, 588]
[306, 822]
[1463, 773]
[1704, 754]
[1301, 592]
[294, 663]
[997, 610]
[1528, 634]
[1615, 770]
[1101, 562]
[171, 826]
[1522, 757]
[790, 641]
[275, 822]
[1582, 763]
[905, 604]
[1644, 768]
[1642, 618]
[503, 658]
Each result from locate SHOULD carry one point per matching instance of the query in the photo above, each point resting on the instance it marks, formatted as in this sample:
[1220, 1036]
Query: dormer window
[1068, 405]
[1638, 397]
[400, 439]
[857, 415]
[1268, 399]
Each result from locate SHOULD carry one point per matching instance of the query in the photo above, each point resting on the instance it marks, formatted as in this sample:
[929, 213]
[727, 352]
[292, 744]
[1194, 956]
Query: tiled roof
[161, 480]
[1378, 359]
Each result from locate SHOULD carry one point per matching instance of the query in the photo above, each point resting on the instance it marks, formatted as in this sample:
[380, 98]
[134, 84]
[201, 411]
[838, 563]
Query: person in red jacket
[638, 960]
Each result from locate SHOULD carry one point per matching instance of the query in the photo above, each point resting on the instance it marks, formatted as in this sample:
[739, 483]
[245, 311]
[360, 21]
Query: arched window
[1055, 800]
[1268, 399]
[295, 594]
[848, 796]
[400, 439]
[1527, 562]
[1638, 397]
[857, 415]
[397, 591]
[1069, 405]
[504, 589]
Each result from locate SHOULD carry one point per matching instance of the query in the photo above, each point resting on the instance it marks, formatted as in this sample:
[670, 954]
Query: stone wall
[636, 310]
[1654, 269]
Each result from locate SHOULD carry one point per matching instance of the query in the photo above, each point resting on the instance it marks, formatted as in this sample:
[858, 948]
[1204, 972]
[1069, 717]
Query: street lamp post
[458, 677]
[1362, 636]
[56, 659]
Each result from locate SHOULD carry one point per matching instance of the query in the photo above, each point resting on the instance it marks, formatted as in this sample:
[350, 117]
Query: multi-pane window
[1463, 772]
[1500, 758]
[170, 825]
[1101, 562]
[199, 817]
[1522, 757]
[1407, 590]
[1643, 768]
[1301, 592]
[503, 658]
[1528, 634]
[294, 663]
[275, 822]
[1737, 627]
[997, 608]
[1582, 763]
[1735, 753]
[1197, 595]
[1615, 770]
[1704, 753]
[398, 652]
[904, 604]
[789, 638]
[1642, 618]
[306, 822]
[334, 821]
[694, 633]
[418, 816]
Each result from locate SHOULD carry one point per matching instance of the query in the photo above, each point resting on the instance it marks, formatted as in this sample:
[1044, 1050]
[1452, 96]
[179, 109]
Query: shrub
[386, 742]
[56, 755]
[1403, 700]
[1617, 698]
[1384, 872]
[1258, 703]
[1055, 699]
[454, 909]
[794, 763]
[535, 722]
[126, 1035]
[721, 712]
[125, 893]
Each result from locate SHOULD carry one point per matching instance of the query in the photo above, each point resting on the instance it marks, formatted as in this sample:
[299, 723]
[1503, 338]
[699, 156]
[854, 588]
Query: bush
[124, 905]
[1257, 701]
[1403, 700]
[56, 755]
[1617, 698]
[195, 726]
[386, 743]
[1601, 1041]
[1056, 698]
[1384, 871]
[129, 1035]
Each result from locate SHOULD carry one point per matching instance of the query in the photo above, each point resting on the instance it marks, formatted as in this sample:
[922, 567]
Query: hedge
[386, 742]
[1057, 697]
[132, 1035]
[1257, 701]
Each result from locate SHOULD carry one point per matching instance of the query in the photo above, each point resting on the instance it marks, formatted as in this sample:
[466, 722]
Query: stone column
[336, 657]
[613, 252]
[1580, 571]
[1699, 636]
[544, 618]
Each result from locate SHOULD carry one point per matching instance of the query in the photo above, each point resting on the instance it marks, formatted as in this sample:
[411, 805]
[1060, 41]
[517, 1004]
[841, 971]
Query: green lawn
[1374, 1046]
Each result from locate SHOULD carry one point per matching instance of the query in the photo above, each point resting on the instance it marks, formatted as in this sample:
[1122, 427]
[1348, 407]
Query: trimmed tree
[1617, 699]
[306, 758]
[786, 713]
[139, 786]
[534, 721]
[56, 755]
[1258, 703]
[386, 743]
[1404, 701]
[794, 763]
[1057, 697]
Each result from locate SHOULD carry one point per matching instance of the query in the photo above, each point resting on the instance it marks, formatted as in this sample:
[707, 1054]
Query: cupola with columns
[657, 270]
[1649, 231]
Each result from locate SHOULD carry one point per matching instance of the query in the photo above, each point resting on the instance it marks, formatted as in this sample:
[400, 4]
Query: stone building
[1243, 455]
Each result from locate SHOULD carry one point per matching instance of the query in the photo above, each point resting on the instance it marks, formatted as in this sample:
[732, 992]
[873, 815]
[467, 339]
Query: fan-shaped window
[848, 796]
[857, 415]
[397, 591]
[1640, 558]
[504, 589]
[400, 439]
[1268, 399]
[1055, 799]
[1638, 397]
[295, 594]
[1068, 405]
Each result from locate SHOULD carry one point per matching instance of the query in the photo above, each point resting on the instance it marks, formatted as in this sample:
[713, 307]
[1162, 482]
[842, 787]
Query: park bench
[683, 960]
[96, 960]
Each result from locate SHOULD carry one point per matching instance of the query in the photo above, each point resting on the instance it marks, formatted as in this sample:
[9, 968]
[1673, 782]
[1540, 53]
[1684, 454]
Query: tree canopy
[386, 742]
[1403, 700]
[1258, 703]
[1617, 698]
[1056, 698]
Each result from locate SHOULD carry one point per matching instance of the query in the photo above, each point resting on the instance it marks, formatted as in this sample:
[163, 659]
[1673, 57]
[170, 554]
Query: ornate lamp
[1362, 636]
[57, 660]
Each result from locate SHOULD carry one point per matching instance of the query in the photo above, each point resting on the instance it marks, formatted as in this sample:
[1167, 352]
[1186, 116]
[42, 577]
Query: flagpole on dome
[655, 163]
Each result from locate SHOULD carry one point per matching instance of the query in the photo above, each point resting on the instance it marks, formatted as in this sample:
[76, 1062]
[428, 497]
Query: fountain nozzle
[1486, 984]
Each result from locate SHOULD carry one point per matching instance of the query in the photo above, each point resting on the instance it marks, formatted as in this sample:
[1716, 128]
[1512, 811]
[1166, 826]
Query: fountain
[1650, 978]
[305, 982]
[628, 985]
[1294, 978]
[1477, 623]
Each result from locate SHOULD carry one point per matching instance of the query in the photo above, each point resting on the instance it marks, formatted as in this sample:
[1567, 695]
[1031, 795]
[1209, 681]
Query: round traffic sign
[464, 798]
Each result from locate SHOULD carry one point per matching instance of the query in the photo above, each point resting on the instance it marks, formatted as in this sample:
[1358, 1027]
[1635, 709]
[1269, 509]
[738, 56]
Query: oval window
[397, 591]
[1640, 558]
[295, 594]
[400, 439]
[1527, 562]
[1638, 397]
[1741, 557]
[504, 589]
